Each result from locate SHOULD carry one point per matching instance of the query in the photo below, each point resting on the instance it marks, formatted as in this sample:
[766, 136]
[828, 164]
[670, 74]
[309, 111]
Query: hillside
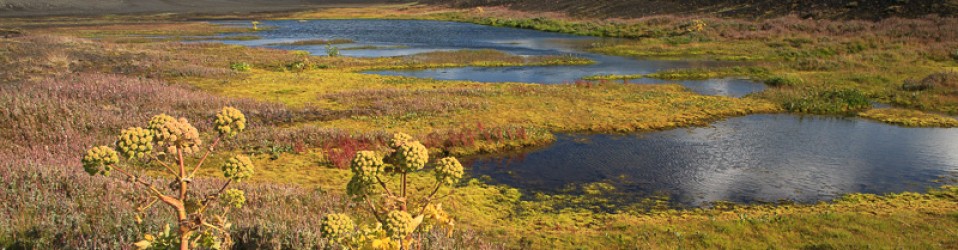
[831, 9]
[82, 7]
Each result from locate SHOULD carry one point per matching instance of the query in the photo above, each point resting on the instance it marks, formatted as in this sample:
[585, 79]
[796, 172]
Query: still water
[745, 159]
[407, 37]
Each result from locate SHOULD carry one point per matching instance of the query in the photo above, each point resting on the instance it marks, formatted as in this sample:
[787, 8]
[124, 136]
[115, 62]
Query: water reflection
[407, 37]
[747, 159]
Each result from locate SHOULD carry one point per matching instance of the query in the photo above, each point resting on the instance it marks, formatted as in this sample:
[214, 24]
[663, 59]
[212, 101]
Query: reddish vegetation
[340, 149]
[468, 137]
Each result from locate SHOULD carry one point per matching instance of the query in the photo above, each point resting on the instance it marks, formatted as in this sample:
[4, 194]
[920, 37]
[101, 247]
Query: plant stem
[184, 240]
[404, 192]
[181, 209]
[429, 198]
[212, 147]
[213, 196]
[138, 180]
[182, 176]
[173, 172]
[383, 184]
[372, 209]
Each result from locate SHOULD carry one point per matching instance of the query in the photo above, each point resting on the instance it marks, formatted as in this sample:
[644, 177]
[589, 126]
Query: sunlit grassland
[67, 85]
[825, 75]
[452, 104]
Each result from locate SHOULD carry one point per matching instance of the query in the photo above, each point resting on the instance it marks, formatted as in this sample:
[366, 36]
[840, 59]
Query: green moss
[784, 81]
[709, 73]
[909, 118]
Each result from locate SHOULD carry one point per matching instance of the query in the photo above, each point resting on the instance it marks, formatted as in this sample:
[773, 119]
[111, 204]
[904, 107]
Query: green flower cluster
[448, 171]
[99, 160]
[135, 143]
[398, 224]
[158, 121]
[238, 168]
[233, 197]
[366, 165]
[399, 139]
[230, 121]
[335, 227]
[178, 134]
[411, 156]
[357, 188]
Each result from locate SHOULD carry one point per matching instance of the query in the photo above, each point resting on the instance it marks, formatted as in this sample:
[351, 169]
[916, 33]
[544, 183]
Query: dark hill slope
[97, 7]
[831, 9]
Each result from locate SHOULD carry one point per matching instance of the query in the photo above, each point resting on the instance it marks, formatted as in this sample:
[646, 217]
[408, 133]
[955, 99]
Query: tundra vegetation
[175, 138]
[397, 212]
[313, 121]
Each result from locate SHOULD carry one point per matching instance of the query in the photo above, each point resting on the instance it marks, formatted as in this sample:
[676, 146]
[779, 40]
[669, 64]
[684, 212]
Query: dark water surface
[407, 37]
[745, 159]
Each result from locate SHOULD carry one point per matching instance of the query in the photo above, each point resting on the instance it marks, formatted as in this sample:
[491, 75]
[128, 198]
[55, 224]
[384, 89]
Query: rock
[851, 4]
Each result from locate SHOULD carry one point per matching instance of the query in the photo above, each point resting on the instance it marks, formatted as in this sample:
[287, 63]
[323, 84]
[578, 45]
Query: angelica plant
[167, 143]
[398, 212]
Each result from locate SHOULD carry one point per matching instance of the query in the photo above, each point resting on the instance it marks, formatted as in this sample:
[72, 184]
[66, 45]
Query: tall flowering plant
[166, 143]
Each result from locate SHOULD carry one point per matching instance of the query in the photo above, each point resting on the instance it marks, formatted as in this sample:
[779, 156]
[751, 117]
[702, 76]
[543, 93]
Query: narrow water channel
[407, 37]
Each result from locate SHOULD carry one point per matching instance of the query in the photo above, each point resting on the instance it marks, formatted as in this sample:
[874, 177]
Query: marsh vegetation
[315, 122]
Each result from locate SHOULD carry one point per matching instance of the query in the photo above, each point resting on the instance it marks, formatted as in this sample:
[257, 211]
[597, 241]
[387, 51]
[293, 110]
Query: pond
[756, 158]
[407, 37]
[746, 159]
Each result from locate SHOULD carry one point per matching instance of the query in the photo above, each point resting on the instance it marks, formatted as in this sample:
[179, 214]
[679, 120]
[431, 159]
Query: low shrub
[936, 80]
[784, 81]
[240, 66]
[830, 102]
